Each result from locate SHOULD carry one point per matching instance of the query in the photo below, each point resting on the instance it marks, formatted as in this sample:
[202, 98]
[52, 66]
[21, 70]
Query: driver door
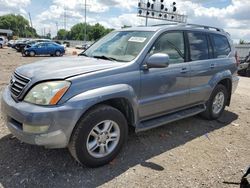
[166, 89]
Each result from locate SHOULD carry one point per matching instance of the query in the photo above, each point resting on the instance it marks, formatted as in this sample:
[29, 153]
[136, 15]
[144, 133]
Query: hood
[64, 67]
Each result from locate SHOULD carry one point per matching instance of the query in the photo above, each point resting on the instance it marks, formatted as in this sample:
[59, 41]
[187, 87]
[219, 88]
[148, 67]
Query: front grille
[17, 84]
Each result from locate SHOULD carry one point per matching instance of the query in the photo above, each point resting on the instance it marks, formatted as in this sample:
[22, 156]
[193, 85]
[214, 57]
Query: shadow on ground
[25, 165]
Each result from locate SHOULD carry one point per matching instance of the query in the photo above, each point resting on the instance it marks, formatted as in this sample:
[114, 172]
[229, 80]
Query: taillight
[237, 59]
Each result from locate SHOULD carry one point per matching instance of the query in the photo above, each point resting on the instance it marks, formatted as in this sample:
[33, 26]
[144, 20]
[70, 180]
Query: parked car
[141, 77]
[244, 67]
[44, 48]
[66, 43]
[2, 42]
[19, 44]
[83, 46]
[29, 43]
[10, 43]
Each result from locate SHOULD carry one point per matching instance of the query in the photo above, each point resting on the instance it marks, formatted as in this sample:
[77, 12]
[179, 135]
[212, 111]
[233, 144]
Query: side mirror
[158, 60]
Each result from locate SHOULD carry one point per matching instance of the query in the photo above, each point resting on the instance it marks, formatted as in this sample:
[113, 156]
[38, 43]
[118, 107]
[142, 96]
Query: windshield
[119, 45]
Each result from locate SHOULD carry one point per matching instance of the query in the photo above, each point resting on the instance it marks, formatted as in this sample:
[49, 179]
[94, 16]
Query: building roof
[7, 31]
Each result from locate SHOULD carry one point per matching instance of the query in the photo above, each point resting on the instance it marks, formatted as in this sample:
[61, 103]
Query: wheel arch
[227, 83]
[121, 97]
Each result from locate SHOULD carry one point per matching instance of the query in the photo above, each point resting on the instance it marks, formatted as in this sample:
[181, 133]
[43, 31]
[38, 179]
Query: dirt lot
[188, 153]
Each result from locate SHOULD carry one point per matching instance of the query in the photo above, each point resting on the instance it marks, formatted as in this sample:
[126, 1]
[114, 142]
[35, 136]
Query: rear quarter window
[221, 45]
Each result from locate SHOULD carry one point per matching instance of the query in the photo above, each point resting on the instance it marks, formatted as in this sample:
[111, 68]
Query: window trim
[213, 44]
[188, 45]
[171, 31]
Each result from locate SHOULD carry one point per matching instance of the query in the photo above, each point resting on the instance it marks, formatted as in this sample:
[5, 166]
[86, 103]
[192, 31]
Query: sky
[231, 15]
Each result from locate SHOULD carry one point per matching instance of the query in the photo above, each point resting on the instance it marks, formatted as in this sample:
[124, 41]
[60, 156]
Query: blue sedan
[44, 48]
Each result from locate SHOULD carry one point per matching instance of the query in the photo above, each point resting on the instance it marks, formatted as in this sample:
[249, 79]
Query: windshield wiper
[83, 54]
[104, 57]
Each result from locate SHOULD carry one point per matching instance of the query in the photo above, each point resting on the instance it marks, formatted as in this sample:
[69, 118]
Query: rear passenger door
[51, 48]
[207, 52]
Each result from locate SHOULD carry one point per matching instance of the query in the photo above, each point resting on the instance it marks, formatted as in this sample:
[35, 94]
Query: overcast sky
[231, 15]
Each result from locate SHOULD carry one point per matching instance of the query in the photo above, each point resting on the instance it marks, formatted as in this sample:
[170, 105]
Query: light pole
[85, 20]
[147, 14]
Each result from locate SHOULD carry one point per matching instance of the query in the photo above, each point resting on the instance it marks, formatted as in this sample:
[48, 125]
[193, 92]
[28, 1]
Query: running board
[156, 122]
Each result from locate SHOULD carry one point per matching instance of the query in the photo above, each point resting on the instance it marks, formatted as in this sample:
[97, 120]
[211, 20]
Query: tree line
[21, 28]
[94, 32]
[18, 24]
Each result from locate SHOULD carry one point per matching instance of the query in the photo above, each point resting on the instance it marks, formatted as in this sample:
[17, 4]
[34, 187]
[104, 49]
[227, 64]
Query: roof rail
[165, 24]
[201, 26]
[192, 25]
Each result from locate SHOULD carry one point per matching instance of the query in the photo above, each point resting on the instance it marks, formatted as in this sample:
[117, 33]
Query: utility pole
[147, 14]
[65, 18]
[56, 30]
[85, 20]
[30, 21]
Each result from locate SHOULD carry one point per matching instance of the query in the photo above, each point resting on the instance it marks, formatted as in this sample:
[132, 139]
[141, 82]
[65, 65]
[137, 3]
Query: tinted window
[171, 44]
[221, 46]
[198, 46]
[51, 45]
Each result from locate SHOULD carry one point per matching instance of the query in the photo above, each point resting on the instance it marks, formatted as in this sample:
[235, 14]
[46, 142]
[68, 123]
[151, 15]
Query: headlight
[47, 93]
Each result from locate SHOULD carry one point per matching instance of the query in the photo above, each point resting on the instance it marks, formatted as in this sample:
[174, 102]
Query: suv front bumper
[61, 120]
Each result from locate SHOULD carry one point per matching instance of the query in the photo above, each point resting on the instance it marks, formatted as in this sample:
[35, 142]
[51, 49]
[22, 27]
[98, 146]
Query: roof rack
[193, 26]
[201, 26]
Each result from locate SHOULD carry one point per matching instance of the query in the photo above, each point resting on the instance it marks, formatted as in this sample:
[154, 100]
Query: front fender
[87, 99]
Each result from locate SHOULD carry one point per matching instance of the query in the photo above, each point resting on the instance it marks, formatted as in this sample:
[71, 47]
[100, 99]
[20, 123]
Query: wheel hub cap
[218, 103]
[103, 138]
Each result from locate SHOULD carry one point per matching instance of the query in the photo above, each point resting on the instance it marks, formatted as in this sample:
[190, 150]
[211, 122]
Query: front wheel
[99, 136]
[216, 103]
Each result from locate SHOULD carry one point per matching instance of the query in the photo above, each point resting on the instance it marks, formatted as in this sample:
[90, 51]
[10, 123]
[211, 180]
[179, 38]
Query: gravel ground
[188, 153]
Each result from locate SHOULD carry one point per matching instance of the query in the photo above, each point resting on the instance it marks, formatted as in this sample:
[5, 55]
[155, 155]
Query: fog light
[35, 129]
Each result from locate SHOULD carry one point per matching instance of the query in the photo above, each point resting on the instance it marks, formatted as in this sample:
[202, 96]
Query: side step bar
[156, 122]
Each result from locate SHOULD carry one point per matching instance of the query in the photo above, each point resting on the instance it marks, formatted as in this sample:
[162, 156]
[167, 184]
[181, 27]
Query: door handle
[212, 66]
[184, 70]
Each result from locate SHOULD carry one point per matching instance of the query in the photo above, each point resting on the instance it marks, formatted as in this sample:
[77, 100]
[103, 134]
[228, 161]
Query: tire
[25, 53]
[81, 137]
[32, 53]
[57, 53]
[1, 46]
[210, 113]
[242, 72]
[248, 72]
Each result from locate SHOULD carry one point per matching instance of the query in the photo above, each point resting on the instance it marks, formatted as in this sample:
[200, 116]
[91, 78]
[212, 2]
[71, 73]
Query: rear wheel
[216, 104]
[1, 46]
[58, 53]
[99, 136]
[32, 53]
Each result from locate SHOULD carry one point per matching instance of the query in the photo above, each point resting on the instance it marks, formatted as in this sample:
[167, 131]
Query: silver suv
[142, 77]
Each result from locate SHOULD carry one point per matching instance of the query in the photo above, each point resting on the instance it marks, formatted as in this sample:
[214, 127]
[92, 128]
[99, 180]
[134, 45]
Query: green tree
[77, 32]
[18, 24]
[62, 34]
[242, 41]
[98, 31]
